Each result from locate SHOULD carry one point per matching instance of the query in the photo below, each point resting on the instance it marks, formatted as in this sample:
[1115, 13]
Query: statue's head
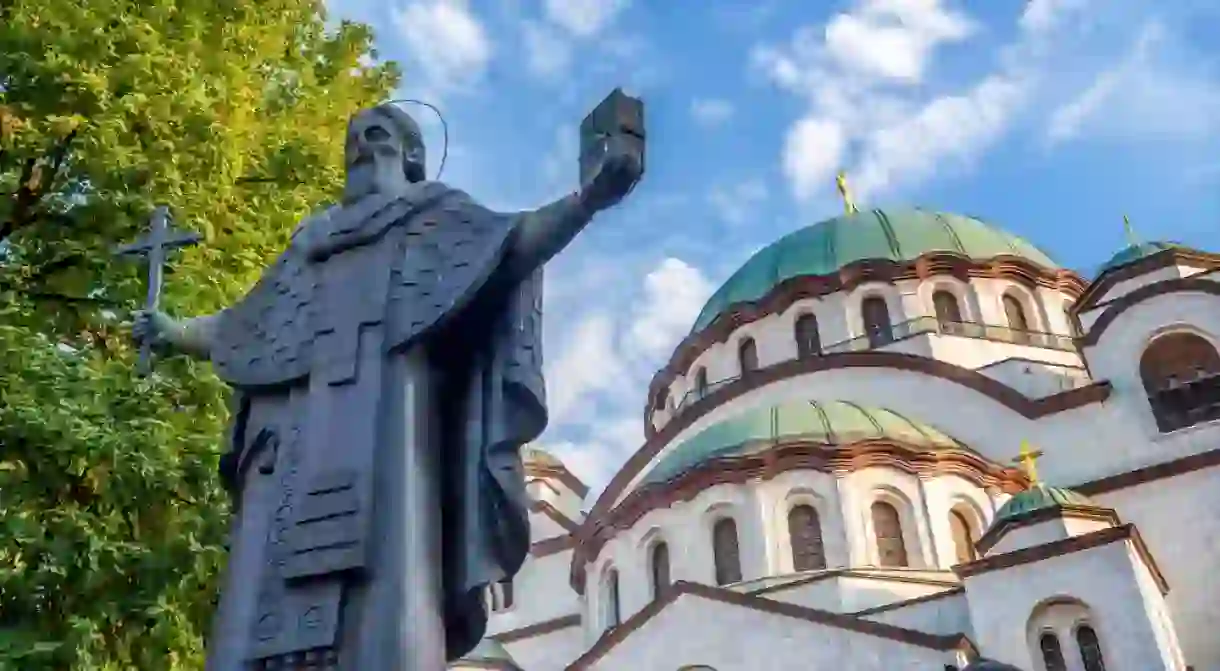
[384, 151]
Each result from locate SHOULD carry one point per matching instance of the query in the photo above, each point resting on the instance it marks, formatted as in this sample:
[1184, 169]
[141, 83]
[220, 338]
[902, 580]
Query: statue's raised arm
[612, 162]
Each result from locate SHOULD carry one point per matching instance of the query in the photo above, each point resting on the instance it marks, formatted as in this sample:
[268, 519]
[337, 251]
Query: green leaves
[112, 517]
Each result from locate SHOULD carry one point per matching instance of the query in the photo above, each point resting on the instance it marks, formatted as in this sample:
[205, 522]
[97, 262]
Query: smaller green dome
[826, 422]
[1135, 252]
[1038, 497]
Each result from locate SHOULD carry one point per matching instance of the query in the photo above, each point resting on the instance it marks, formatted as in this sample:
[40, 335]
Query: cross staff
[1028, 460]
[154, 246]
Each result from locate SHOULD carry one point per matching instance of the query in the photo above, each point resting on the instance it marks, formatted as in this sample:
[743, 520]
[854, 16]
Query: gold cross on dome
[841, 182]
[1028, 461]
[1132, 239]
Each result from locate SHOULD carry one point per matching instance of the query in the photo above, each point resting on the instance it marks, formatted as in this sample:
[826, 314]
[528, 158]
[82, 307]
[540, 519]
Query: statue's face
[382, 155]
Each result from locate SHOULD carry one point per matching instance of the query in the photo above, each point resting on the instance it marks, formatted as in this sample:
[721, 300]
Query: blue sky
[1051, 118]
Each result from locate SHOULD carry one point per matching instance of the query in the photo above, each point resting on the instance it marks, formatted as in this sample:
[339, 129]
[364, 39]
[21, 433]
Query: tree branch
[33, 186]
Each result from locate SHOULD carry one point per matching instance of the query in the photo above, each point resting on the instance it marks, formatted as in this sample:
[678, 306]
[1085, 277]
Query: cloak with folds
[425, 268]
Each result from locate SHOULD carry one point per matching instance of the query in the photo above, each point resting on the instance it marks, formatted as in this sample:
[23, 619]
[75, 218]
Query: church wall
[1038, 379]
[687, 528]
[857, 593]
[543, 527]
[548, 652]
[825, 594]
[694, 630]
[1177, 519]
[905, 493]
[563, 498]
[540, 592]
[1103, 578]
[949, 493]
[1125, 287]
[943, 615]
[1158, 614]
[779, 495]
[1028, 536]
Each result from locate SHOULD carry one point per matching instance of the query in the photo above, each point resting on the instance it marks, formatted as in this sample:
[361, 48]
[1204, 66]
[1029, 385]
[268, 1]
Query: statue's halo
[444, 128]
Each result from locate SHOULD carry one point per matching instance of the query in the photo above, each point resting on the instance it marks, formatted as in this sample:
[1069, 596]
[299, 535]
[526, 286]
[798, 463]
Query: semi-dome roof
[531, 455]
[1134, 252]
[1036, 498]
[491, 652]
[828, 422]
[894, 235]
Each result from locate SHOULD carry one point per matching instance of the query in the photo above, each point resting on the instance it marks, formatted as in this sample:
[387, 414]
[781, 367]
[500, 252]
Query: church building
[901, 439]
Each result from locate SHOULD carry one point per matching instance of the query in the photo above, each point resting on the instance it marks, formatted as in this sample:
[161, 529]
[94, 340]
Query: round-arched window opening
[1180, 372]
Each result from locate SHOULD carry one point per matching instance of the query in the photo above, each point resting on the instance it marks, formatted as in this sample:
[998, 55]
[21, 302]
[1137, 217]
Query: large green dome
[827, 422]
[894, 235]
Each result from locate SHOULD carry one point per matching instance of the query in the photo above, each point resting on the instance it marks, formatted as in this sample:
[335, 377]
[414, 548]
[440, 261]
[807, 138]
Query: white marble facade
[1119, 578]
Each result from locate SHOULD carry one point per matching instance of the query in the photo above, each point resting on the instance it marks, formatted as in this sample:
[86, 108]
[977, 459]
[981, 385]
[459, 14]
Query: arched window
[659, 564]
[612, 612]
[1090, 649]
[1181, 375]
[805, 533]
[1052, 654]
[725, 551]
[963, 536]
[948, 311]
[1014, 312]
[506, 594]
[876, 316]
[747, 356]
[1073, 327]
[891, 549]
[500, 596]
[808, 341]
[701, 383]
[658, 401]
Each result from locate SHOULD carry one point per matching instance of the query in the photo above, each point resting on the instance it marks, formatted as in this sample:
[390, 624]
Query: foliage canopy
[232, 112]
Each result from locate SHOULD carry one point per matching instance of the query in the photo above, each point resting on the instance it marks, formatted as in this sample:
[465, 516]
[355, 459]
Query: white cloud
[446, 42]
[548, 54]
[1147, 95]
[710, 112]
[588, 364]
[584, 18]
[813, 150]
[865, 76]
[596, 384]
[674, 293]
[737, 202]
[893, 39]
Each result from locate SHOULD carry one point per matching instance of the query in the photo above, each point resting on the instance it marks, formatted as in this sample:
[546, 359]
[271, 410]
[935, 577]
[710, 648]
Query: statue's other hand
[620, 170]
[152, 327]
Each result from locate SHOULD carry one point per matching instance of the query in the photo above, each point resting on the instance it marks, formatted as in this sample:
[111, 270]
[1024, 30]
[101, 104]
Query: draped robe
[386, 369]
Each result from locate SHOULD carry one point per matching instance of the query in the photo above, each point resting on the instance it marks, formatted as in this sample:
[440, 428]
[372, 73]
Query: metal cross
[154, 246]
[1029, 462]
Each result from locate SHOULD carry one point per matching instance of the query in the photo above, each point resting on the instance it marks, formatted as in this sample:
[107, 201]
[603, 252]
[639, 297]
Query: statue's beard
[374, 175]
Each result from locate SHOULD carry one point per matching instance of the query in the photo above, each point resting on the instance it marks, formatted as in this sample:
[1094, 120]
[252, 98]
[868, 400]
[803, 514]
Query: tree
[232, 112]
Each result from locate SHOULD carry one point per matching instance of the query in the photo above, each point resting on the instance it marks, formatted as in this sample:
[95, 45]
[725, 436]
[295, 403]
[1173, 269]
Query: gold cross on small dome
[1028, 461]
[848, 204]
